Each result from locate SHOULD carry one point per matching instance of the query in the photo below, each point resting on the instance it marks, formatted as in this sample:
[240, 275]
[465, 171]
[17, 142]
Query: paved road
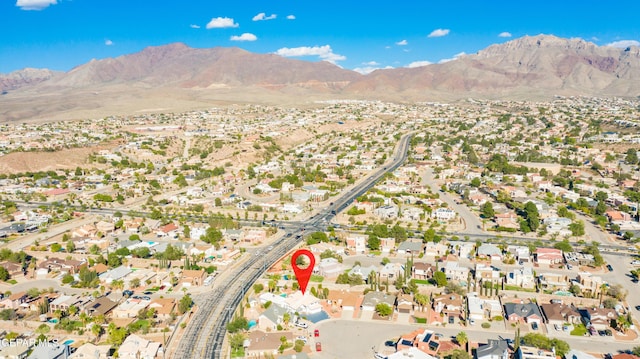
[363, 335]
[41, 284]
[471, 221]
[204, 336]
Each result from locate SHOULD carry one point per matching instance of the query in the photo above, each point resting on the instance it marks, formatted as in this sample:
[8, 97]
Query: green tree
[238, 324]
[236, 342]
[462, 339]
[577, 228]
[532, 216]
[373, 242]
[487, 210]
[4, 274]
[543, 342]
[383, 309]
[631, 156]
[185, 304]
[440, 278]
[564, 246]
[116, 334]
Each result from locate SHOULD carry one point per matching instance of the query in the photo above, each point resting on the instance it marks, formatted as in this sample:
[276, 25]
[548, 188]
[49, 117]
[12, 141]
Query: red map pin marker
[303, 274]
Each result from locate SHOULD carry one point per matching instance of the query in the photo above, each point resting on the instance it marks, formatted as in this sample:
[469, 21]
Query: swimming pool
[68, 342]
[316, 317]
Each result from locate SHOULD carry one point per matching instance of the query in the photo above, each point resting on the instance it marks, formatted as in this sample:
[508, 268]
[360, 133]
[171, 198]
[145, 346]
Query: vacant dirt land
[17, 162]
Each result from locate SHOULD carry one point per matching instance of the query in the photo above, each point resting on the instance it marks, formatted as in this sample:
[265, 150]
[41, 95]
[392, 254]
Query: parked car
[300, 324]
[534, 326]
[318, 347]
[316, 333]
[609, 267]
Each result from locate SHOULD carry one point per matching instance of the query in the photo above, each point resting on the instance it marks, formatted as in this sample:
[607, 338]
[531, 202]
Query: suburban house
[481, 308]
[262, 343]
[357, 243]
[272, 317]
[494, 349]
[404, 303]
[525, 352]
[558, 314]
[579, 259]
[600, 318]
[136, 347]
[193, 277]
[451, 306]
[555, 281]
[372, 299]
[490, 251]
[102, 305]
[130, 308]
[164, 307]
[343, 299]
[455, 272]
[423, 271]
[433, 250]
[523, 313]
[521, 277]
[548, 256]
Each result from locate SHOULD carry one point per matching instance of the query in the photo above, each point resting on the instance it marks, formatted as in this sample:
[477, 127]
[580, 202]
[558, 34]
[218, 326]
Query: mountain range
[176, 77]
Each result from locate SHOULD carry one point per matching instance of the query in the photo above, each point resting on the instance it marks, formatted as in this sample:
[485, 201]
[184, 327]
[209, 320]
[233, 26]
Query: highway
[205, 333]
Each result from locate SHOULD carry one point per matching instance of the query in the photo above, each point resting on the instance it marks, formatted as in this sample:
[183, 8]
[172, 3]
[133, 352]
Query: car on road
[300, 324]
[148, 293]
[638, 307]
[318, 347]
[609, 267]
[316, 333]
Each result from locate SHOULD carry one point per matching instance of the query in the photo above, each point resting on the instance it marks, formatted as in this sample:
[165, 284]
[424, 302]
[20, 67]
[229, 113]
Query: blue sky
[61, 34]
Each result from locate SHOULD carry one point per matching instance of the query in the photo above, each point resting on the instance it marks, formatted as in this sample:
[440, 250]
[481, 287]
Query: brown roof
[191, 273]
[344, 298]
[100, 268]
[163, 305]
[267, 341]
[555, 311]
[102, 305]
[625, 356]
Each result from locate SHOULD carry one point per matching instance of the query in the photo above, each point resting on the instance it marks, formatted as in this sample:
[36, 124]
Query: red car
[318, 347]
[316, 333]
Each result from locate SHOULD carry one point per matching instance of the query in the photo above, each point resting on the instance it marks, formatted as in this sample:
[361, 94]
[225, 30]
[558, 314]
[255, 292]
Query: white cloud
[402, 43]
[504, 34]
[221, 22]
[35, 4]
[439, 33]
[108, 42]
[244, 37]
[371, 63]
[455, 57]
[194, 26]
[291, 17]
[323, 52]
[419, 64]
[262, 16]
[623, 44]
